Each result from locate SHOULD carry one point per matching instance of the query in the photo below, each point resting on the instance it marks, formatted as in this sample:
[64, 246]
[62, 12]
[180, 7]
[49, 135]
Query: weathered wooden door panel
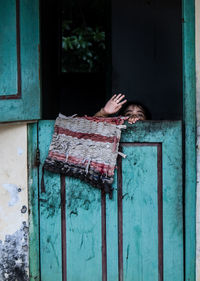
[133, 237]
[140, 213]
[83, 224]
[19, 57]
[147, 207]
[50, 213]
[76, 235]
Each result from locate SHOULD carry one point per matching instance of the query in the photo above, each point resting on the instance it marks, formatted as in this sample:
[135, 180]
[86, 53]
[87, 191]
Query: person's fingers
[117, 97]
[119, 105]
[130, 120]
[113, 97]
[133, 120]
[120, 98]
[122, 102]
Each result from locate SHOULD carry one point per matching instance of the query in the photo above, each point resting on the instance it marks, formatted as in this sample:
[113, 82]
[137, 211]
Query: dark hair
[135, 103]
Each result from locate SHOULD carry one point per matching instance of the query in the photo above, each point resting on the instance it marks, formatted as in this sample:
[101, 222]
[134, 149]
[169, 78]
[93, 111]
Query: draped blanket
[86, 148]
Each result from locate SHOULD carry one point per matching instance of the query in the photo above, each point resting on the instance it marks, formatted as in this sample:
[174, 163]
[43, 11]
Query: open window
[134, 47]
[139, 53]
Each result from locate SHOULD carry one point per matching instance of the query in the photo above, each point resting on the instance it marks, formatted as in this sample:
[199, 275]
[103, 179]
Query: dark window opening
[83, 36]
[91, 49]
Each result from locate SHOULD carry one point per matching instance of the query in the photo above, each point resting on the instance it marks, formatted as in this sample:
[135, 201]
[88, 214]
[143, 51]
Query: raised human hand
[114, 104]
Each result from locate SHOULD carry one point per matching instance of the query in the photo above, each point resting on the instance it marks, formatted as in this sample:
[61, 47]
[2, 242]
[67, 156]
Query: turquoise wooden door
[19, 57]
[136, 236]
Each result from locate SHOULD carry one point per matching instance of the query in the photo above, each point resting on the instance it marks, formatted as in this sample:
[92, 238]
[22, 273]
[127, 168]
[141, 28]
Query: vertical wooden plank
[24, 68]
[8, 48]
[160, 210]
[140, 213]
[50, 213]
[112, 233]
[120, 218]
[84, 242]
[189, 117]
[63, 228]
[103, 236]
[169, 134]
[30, 60]
[172, 205]
[34, 265]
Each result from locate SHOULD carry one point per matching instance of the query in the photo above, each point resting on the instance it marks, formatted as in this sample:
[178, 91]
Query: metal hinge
[37, 157]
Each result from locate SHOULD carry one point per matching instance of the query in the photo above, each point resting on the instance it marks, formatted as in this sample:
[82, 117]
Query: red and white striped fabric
[86, 148]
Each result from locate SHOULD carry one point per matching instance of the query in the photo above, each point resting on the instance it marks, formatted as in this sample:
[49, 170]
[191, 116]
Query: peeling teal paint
[26, 55]
[83, 212]
[189, 118]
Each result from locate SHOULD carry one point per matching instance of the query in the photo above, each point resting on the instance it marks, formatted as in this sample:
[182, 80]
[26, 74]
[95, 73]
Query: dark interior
[143, 58]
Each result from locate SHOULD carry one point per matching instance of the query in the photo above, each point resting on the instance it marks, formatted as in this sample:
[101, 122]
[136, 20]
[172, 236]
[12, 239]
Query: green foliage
[83, 48]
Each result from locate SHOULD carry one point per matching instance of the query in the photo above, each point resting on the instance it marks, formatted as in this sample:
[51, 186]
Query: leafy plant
[83, 48]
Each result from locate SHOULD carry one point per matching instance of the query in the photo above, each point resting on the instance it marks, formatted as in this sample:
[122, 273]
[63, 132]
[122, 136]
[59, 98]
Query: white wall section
[13, 203]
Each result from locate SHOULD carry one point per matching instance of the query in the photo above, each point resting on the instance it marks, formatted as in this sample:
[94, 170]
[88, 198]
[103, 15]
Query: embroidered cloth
[86, 148]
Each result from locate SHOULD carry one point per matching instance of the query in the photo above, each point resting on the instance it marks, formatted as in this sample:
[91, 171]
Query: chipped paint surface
[14, 255]
[198, 208]
[13, 191]
[197, 27]
[13, 203]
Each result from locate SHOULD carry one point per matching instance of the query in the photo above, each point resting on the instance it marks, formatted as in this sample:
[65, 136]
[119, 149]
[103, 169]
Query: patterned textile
[86, 148]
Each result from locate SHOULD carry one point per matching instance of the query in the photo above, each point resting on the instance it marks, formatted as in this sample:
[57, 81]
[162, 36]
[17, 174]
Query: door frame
[189, 137]
[189, 158]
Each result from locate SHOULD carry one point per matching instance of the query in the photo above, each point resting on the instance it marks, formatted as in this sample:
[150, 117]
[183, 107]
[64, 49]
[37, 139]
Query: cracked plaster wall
[13, 203]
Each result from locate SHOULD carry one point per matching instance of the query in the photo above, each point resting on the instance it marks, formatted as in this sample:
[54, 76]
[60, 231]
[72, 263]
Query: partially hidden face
[135, 113]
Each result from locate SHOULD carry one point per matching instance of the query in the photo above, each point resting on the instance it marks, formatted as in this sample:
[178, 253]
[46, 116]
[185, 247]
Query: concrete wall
[13, 203]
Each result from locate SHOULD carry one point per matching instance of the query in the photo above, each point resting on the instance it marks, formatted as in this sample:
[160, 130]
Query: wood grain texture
[63, 228]
[120, 218]
[50, 213]
[160, 209]
[112, 234]
[140, 213]
[169, 134]
[189, 118]
[28, 106]
[133, 253]
[34, 266]
[9, 34]
[84, 234]
[103, 236]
